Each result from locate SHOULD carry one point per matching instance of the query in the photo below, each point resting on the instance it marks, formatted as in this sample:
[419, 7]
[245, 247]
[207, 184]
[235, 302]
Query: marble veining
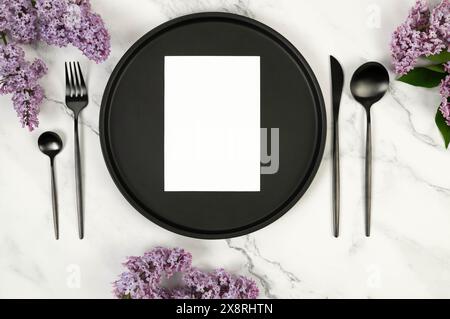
[295, 257]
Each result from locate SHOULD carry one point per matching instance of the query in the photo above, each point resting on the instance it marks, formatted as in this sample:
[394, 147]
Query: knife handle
[336, 178]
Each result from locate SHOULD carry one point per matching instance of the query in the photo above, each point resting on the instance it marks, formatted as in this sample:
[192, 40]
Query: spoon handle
[54, 199]
[79, 192]
[368, 201]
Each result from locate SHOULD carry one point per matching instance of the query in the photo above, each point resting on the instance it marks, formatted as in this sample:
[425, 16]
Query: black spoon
[368, 85]
[51, 144]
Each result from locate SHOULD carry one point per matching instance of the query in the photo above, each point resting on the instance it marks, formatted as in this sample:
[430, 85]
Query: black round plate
[132, 125]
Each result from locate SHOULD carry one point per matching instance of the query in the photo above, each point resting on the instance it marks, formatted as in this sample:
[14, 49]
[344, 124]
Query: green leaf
[423, 77]
[443, 128]
[436, 68]
[440, 58]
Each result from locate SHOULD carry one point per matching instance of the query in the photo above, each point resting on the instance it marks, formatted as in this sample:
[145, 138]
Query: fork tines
[75, 85]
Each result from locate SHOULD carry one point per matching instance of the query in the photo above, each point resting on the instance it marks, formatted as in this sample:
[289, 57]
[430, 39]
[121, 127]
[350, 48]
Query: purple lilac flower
[145, 273]
[440, 22]
[20, 78]
[405, 44]
[24, 77]
[441, 26]
[27, 104]
[21, 21]
[445, 94]
[3, 16]
[424, 33]
[52, 29]
[433, 39]
[91, 37]
[12, 57]
[232, 287]
[66, 22]
[142, 280]
[218, 284]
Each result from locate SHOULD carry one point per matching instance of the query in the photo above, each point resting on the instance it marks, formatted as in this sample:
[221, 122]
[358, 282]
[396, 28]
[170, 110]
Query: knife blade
[337, 83]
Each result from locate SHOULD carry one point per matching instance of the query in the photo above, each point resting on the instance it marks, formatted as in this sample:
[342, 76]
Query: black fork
[77, 100]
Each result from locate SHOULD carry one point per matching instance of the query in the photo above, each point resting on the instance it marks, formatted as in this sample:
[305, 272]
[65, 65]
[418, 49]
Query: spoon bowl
[369, 84]
[50, 144]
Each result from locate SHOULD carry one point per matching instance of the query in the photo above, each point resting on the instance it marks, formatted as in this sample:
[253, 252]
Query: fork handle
[79, 188]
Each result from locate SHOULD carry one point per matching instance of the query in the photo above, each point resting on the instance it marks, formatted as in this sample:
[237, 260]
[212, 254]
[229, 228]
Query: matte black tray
[132, 125]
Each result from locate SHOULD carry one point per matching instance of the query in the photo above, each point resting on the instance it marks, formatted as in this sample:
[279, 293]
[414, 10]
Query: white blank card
[212, 123]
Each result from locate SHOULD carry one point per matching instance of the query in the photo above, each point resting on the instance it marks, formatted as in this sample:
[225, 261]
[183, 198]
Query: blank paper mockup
[212, 123]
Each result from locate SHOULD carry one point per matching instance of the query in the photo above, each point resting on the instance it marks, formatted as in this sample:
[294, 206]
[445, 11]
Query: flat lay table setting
[295, 144]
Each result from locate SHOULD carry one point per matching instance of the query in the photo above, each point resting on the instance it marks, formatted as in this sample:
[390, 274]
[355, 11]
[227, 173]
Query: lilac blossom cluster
[424, 33]
[20, 78]
[64, 22]
[145, 274]
[55, 22]
[445, 94]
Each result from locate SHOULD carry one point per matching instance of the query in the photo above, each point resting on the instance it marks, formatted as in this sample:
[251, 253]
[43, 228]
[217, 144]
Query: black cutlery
[337, 81]
[368, 85]
[51, 144]
[77, 100]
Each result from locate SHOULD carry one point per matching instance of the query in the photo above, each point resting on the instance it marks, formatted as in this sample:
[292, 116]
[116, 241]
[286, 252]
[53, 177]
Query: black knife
[337, 81]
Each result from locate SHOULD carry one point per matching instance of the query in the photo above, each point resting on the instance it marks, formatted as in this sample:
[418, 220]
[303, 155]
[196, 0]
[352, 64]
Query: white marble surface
[296, 257]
